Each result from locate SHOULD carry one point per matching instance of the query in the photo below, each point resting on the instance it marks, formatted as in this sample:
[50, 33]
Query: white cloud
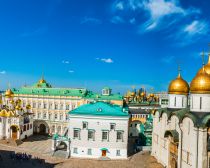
[192, 32]
[119, 5]
[117, 19]
[90, 20]
[132, 21]
[65, 62]
[71, 71]
[2, 72]
[106, 60]
[196, 27]
[160, 13]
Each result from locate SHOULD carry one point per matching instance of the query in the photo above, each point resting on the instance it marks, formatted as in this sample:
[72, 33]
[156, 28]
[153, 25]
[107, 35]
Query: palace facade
[50, 105]
[181, 131]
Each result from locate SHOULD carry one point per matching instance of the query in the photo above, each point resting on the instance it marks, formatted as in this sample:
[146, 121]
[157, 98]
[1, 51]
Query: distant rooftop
[100, 109]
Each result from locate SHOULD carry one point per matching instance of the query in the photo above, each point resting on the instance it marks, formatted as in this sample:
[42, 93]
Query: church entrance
[14, 132]
[42, 129]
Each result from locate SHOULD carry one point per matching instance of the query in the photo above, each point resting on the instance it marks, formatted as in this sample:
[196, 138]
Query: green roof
[100, 109]
[50, 91]
[45, 89]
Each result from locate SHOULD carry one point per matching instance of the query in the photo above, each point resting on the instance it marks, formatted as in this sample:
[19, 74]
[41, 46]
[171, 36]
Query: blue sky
[96, 43]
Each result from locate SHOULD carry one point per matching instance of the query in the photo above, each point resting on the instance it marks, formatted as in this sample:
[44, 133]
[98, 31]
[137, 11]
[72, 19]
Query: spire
[203, 63]
[179, 71]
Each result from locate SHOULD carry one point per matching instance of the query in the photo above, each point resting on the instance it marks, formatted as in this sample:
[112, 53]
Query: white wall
[99, 124]
[177, 101]
[200, 102]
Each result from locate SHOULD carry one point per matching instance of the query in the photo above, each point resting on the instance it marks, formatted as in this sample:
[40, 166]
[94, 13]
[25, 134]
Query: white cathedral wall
[189, 144]
[200, 102]
[177, 101]
[202, 148]
[155, 134]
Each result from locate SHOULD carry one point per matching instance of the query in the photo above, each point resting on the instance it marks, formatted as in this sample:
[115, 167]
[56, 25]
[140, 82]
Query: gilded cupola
[201, 83]
[9, 93]
[207, 66]
[178, 86]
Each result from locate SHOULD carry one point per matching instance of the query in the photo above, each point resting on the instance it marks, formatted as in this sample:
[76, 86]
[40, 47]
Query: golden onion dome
[201, 83]
[142, 94]
[42, 80]
[9, 93]
[133, 94]
[152, 95]
[18, 107]
[178, 86]
[206, 67]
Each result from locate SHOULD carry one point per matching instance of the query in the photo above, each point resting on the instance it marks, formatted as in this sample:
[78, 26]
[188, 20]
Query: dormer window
[112, 126]
[106, 91]
[84, 125]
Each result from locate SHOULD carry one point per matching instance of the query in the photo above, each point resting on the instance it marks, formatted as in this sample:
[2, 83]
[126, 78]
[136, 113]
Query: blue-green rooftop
[100, 109]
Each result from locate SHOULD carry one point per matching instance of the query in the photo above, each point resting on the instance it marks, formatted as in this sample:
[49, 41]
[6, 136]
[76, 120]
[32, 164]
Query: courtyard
[39, 147]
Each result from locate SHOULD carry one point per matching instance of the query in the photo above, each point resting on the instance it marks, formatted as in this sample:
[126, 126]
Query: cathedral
[181, 131]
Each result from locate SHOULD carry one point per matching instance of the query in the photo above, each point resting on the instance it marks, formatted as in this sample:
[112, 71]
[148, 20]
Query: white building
[181, 132]
[99, 130]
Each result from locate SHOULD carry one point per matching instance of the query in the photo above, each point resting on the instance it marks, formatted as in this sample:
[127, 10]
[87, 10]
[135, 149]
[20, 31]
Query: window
[175, 101]
[89, 151]
[66, 116]
[49, 116]
[76, 133]
[84, 125]
[131, 125]
[118, 153]
[56, 116]
[24, 128]
[67, 107]
[112, 126]
[27, 126]
[45, 105]
[200, 102]
[75, 150]
[56, 106]
[39, 115]
[105, 135]
[91, 134]
[135, 125]
[61, 106]
[119, 135]
[30, 126]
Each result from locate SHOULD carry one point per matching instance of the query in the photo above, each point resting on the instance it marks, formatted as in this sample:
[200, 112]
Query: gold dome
[9, 93]
[178, 86]
[18, 107]
[201, 83]
[206, 67]
[152, 95]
